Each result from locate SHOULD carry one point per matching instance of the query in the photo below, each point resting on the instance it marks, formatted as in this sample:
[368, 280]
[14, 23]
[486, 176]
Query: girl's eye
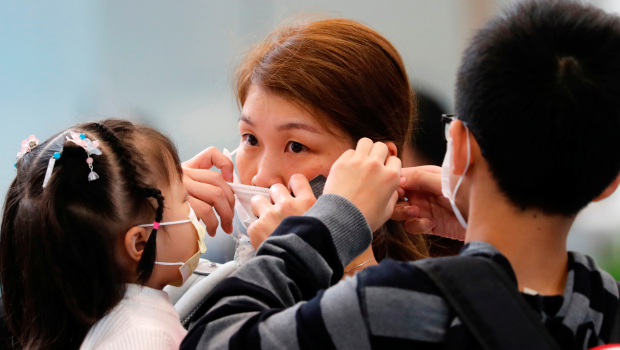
[250, 140]
[296, 147]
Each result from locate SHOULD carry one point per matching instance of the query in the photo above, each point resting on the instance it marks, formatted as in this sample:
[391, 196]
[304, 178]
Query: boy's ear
[392, 149]
[135, 241]
[460, 135]
[609, 190]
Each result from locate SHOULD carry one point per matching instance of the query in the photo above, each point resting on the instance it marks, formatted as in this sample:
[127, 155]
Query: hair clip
[91, 147]
[27, 145]
[50, 167]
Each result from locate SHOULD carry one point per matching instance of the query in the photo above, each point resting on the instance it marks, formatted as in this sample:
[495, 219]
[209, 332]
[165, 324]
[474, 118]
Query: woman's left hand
[271, 215]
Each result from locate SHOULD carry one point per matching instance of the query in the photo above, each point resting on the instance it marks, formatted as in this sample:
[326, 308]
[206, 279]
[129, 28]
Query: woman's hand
[422, 187]
[208, 189]
[368, 177]
[285, 205]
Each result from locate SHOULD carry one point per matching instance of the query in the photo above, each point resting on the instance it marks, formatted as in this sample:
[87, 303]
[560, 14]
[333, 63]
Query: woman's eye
[296, 147]
[250, 140]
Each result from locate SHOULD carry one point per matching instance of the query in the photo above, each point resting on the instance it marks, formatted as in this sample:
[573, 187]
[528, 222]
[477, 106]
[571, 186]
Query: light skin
[422, 187]
[175, 243]
[528, 238]
[282, 146]
[368, 163]
[208, 191]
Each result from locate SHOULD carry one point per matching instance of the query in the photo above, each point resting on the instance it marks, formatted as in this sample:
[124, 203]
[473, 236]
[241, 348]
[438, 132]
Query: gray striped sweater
[290, 297]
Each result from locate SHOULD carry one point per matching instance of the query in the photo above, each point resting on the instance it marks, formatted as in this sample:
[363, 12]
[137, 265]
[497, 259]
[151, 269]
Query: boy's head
[539, 89]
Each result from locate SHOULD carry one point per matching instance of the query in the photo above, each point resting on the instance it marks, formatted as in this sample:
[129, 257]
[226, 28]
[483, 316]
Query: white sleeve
[141, 338]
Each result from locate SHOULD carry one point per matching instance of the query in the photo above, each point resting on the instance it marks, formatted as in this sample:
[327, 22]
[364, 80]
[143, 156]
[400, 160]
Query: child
[83, 265]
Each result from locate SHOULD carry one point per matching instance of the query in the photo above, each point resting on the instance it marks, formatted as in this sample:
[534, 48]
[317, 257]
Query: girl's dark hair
[355, 79]
[58, 268]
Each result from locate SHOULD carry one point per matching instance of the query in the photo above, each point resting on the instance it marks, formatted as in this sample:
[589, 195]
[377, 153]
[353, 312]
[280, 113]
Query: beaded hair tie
[91, 147]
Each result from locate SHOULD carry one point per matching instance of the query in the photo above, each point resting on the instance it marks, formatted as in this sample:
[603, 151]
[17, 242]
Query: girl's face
[280, 139]
[175, 243]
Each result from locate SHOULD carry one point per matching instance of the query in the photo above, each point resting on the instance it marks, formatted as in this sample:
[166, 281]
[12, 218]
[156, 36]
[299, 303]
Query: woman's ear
[609, 190]
[135, 241]
[393, 150]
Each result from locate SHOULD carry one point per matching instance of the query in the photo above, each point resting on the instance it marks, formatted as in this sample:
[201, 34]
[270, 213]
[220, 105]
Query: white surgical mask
[188, 267]
[446, 171]
[243, 196]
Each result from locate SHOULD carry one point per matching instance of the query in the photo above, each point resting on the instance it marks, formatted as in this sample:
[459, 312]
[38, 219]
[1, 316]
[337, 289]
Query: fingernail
[403, 180]
[433, 221]
[413, 211]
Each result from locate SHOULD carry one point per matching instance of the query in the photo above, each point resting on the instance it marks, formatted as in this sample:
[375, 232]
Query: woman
[308, 93]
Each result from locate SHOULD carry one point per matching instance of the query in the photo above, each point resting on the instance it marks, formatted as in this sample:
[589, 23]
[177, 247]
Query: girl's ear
[393, 150]
[135, 241]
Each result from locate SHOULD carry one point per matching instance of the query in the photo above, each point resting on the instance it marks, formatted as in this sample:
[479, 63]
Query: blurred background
[167, 64]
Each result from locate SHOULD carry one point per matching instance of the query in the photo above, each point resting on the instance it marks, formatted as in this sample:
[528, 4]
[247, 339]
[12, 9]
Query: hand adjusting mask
[188, 267]
[244, 194]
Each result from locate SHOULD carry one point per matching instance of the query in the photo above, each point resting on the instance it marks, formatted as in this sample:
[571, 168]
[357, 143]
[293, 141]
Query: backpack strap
[614, 337]
[488, 303]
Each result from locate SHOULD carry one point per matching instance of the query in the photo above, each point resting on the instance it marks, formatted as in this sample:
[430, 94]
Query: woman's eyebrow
[300, 126]
[284, 127]
[246, 120]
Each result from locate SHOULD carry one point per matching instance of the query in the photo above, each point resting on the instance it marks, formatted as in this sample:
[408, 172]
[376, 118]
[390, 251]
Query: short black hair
[540, 91]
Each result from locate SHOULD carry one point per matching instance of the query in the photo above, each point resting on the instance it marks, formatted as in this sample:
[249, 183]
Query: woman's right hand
[368, 177]
[208, 189]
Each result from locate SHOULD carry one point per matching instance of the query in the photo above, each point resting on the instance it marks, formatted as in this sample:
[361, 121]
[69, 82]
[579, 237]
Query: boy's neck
[533, 242]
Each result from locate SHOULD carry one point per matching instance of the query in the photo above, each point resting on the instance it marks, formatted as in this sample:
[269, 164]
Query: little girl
[82, 262]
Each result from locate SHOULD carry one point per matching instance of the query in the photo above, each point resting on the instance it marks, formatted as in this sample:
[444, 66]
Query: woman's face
[280, 139]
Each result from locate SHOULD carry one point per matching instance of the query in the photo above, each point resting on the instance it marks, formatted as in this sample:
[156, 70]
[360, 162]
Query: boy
[535, 140]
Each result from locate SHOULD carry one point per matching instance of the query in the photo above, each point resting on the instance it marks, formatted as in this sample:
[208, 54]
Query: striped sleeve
[285, 298]
[276, 299]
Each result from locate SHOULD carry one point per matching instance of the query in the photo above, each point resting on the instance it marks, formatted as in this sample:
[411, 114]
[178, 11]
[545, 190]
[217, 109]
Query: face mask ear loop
[168, 264]
[229, 155]
[458, 214]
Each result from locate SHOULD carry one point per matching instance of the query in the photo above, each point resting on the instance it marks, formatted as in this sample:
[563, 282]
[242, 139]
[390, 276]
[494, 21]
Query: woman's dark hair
[428, 140]
[59, 271]
[356, 81]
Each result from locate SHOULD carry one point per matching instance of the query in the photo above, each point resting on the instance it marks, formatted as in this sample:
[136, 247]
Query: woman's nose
[268, 173]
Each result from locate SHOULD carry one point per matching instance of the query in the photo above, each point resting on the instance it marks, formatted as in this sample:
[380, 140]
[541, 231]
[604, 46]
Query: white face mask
[188, 267]
[243, 196]
[446, 171]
